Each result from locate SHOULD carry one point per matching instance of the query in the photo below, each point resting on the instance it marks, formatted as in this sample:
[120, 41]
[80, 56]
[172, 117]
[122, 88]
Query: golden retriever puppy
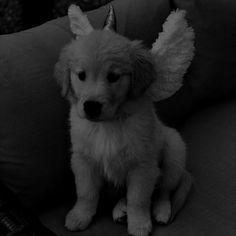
[116, 134]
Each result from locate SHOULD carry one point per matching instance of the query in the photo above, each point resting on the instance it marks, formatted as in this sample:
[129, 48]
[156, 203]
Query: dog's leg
[88, 183]
[140, 185]
[162, 207]
[120, 211]
[173, 178]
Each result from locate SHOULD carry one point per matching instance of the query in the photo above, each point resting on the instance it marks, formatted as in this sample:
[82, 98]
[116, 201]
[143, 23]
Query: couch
[34, 139]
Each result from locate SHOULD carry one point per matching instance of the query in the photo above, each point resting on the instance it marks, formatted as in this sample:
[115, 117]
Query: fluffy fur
[126, 144]
[173, 52]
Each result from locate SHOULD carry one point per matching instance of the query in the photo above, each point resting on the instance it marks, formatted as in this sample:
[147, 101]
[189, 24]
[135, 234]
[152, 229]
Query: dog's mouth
[108, 115]
[102, 118]
[94, 119]
[118, 116]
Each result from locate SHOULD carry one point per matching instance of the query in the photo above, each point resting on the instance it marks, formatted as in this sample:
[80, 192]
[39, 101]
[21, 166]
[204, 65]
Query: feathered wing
[79, 22]
[173, 52]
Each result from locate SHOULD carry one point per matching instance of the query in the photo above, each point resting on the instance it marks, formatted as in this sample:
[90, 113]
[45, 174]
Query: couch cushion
[213, 72]
[210, 136]
[136, 19]
[33, 115]
[34, 144]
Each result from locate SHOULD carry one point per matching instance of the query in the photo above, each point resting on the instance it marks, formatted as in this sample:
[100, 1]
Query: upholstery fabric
[33, 114]
[34, 143]
[213, 72]
[210, 210]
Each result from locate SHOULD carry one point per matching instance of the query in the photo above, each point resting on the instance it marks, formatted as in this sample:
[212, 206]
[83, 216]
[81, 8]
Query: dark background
[17, 15]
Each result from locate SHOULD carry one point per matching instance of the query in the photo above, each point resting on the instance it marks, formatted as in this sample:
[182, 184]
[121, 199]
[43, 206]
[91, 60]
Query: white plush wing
[173, 52]
[79, 22]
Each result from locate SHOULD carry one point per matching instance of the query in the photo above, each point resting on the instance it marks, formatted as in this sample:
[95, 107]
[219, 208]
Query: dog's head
[101, 70]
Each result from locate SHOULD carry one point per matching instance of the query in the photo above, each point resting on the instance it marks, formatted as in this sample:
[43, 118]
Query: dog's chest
[109, 146]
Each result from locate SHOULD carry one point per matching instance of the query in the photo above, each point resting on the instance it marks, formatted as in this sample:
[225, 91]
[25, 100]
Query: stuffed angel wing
[173, 52]
[79, 22]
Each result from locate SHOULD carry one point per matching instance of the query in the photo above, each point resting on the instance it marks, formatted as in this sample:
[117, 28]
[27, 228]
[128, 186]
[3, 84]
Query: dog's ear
[62, 72]
[79, 22]
[144, 72]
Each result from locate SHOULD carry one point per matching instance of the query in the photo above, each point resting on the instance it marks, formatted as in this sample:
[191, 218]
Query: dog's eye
[112, 77]
[82, 75]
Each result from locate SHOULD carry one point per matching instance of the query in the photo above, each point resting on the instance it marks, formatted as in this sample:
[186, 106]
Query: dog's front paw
[162, 211]
[78, 218]
[140, 226]
[120, 211]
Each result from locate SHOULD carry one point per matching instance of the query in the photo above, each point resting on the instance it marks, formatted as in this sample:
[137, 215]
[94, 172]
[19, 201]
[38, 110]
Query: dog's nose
[93, 109]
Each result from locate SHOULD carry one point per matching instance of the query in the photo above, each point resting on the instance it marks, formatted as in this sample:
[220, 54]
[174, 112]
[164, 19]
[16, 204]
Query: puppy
[116, 134]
